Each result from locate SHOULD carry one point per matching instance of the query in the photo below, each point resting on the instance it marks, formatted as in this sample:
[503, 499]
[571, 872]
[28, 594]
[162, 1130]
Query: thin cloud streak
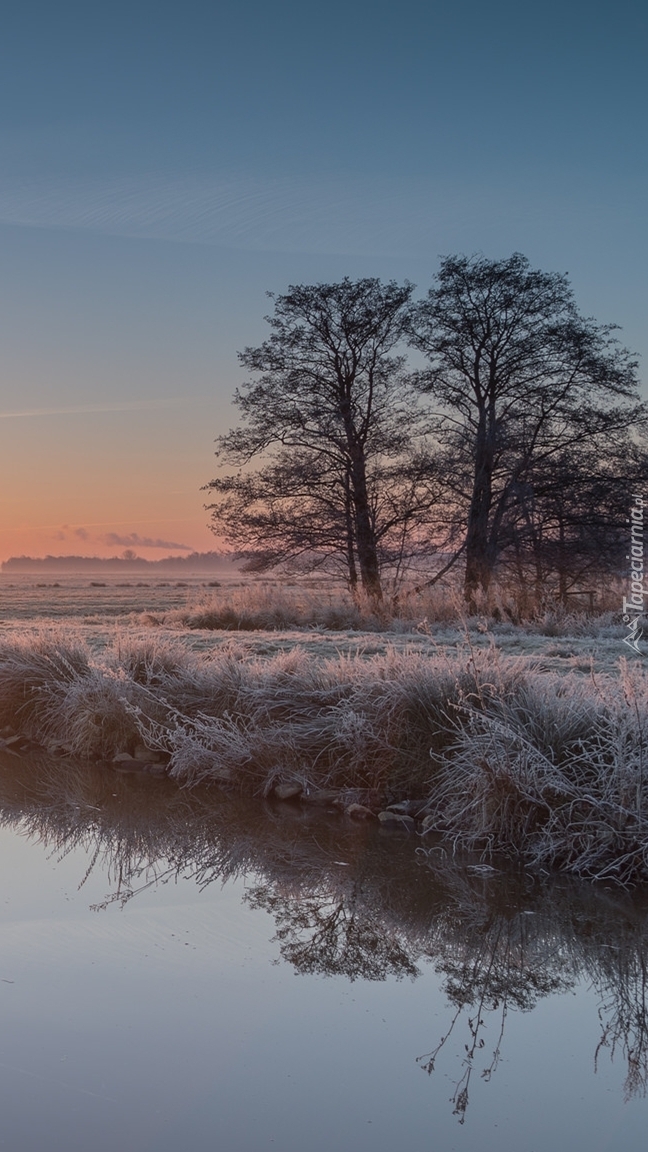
[134, 540]
[326, 216]
[117, 523]
[93, 409]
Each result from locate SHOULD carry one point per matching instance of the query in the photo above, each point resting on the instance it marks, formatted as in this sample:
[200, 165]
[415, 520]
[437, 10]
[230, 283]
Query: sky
[164, 165]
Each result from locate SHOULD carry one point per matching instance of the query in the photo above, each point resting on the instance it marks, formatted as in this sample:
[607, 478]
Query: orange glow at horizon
[92, 483]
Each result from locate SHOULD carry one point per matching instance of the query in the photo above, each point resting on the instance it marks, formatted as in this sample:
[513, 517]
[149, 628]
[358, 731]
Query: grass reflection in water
[349, 900]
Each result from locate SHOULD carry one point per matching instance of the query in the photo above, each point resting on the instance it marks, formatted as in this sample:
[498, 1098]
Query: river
[190, 970]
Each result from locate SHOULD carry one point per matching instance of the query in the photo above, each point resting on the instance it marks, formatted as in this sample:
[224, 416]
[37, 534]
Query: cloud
[81, 533]
[323, 215]
[134, 540]
[91, 409]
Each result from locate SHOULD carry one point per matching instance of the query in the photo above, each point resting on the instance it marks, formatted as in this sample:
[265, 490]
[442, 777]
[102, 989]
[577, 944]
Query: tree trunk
[350, 538]
[563, 565]
[365, 536]
[364, 532]
[479, 551]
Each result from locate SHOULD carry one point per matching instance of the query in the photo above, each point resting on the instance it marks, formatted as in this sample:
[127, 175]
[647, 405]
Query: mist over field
[195, 562]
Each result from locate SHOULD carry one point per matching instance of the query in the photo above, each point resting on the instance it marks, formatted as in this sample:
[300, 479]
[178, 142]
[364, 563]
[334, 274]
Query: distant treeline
[195, 562]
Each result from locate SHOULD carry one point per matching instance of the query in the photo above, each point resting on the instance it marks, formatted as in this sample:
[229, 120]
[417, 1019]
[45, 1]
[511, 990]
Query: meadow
[516, 740]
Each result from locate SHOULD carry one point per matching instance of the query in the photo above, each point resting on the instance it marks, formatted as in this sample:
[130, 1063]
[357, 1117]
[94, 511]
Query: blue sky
[165, 164]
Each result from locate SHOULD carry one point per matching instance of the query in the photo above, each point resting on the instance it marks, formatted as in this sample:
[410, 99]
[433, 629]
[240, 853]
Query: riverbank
[489, 751]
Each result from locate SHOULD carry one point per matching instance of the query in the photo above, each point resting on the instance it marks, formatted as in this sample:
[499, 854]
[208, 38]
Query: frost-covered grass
[268, 617]
[553, 773]
[547, 767]
[245, 603]
[272, 605]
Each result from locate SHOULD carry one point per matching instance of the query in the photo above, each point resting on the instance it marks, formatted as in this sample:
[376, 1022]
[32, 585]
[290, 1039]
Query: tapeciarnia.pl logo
[633, 605]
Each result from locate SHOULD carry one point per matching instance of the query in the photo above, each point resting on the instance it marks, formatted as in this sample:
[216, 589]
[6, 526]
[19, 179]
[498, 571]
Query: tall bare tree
[332, 418]
[520, 381]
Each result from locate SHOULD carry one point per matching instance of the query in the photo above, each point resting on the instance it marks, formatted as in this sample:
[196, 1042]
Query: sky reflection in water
[142, 1008]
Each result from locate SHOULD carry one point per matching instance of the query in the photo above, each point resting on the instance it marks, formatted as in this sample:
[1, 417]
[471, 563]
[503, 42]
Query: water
[187, 970]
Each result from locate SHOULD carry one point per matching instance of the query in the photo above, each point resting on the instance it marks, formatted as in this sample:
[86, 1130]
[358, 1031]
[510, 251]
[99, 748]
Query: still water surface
[185, 971]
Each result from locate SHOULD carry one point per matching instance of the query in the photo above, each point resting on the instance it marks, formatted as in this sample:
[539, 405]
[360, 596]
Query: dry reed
[271, 605]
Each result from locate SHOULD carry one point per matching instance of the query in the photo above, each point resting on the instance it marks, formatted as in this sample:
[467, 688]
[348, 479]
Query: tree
[569, 520]
[521, 381]
[334, 419]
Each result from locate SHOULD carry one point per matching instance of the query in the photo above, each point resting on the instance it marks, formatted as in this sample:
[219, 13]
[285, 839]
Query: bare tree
[333, 418]
[521, 381]
[568, 521]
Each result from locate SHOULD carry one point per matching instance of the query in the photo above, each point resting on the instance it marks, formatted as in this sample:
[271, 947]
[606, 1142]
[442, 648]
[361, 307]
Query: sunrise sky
[164, 164]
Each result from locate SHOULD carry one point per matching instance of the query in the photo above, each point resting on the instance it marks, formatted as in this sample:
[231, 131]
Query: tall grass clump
[271, 606]
[555, 775]
[53, 692]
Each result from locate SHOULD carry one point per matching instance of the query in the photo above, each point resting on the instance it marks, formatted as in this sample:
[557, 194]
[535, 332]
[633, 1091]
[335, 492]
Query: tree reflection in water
[334, 935]
[501, 949]
[352, 901]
